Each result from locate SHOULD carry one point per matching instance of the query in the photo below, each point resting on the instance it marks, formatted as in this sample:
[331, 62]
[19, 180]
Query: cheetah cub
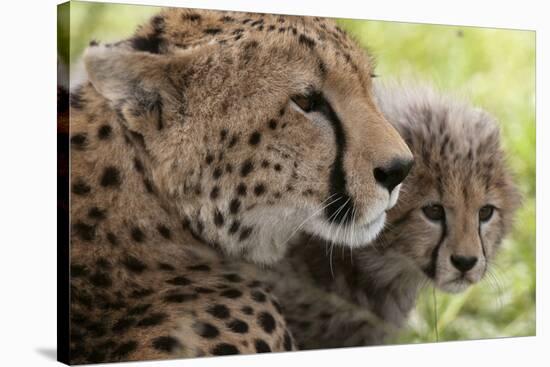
[455, 208]
[206, 136]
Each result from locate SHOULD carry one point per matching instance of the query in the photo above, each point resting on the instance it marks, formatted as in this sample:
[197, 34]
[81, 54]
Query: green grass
[496, 70]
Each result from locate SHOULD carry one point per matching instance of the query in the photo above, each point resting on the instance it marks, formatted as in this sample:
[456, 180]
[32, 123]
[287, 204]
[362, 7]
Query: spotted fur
[338, 299]
[186, 149]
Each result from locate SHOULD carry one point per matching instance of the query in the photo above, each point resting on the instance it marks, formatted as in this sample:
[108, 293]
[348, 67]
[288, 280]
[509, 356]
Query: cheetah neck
[115, 201]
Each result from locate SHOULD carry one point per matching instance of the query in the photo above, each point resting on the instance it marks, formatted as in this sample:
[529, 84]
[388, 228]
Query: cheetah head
[459, 200]
[256, 127]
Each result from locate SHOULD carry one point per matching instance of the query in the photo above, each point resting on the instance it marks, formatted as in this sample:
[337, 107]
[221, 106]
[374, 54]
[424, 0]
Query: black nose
[463, 263]
[393, 174]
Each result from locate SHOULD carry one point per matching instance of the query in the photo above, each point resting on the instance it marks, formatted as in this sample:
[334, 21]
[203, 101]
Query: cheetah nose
[463, 263]
[393, 174]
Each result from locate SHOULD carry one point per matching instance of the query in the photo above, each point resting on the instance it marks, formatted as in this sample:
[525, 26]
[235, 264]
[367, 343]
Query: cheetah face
[458, 202]
[260, 136]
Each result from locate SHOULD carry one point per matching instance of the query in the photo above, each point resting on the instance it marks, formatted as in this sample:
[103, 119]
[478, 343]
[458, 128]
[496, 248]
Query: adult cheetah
[207, 136]
[456, 206]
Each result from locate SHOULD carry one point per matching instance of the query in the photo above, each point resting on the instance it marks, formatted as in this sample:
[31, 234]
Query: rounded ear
[132, 81]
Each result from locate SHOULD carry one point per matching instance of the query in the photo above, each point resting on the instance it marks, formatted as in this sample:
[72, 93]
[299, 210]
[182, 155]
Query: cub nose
[463, 263]
[394, 173]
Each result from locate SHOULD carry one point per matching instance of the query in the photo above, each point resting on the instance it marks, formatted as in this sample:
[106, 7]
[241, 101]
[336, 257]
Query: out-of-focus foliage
[495, 69]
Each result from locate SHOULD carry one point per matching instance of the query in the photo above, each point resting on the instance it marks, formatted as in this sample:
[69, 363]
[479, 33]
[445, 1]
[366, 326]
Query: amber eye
[434, 212]
[486, 212]
[306, 103]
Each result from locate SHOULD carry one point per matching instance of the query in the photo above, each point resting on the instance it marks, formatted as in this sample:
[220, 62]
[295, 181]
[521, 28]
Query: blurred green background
[495, 69]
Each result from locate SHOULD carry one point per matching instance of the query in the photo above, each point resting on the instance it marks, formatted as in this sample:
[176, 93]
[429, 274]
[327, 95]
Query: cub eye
[434, 212]
[308, 102]
[486, 212]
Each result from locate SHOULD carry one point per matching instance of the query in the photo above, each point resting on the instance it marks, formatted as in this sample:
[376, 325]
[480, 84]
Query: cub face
[252, 132]
[459, 200]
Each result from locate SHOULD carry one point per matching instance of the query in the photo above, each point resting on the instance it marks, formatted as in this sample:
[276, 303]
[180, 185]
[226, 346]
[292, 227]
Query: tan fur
[338, 299]
[169, 129]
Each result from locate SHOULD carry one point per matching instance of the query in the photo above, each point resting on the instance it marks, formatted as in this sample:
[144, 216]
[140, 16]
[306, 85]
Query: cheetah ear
[131, 81]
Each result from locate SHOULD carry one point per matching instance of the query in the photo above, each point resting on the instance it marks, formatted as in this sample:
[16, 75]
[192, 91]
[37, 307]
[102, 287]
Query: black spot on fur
[224, 349]
[166, 344]
[219, 311]
[267, 322]
[134, 264]
[206, 330]
[305, 40]
[209, 159]
[78, 271]
[223, 134]
[149, 43]
[214, 193]
[234, 206]
[179, 280]
[100, 279]
[241, 189]
[138, 165]
[79, 141]
[259, 189]
[258, 296]
[96, 213]
[218, 218]
[112, 238]
[140, 293]
[152, 320]
[84, 231]
[148, 186]
[217, 173]
[265, 163]
[212, 31]
[245, 233]
[139, 309]
[247, 310]
[277, 167]
[104, 132]
[194, 17]
[238, 326]
[261, 346]
[246, 168]
[81, 188]
[180, 297]
[164, 231]
[227, 19]
[231, 293]
[233, 141]
[255, 138]
[234, 278]
[200, 267]
[257, 22]
[110, 177]
[137, 234]
[272, 124]
[234, 227]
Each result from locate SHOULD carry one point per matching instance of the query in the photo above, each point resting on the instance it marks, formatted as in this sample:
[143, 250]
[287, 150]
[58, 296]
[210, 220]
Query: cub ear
[131, 81]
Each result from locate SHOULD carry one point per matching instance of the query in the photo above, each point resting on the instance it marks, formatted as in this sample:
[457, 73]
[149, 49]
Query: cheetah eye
[486, 212]
[434, 212]
[308, 103]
